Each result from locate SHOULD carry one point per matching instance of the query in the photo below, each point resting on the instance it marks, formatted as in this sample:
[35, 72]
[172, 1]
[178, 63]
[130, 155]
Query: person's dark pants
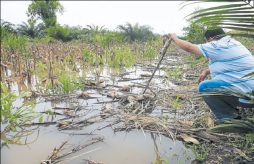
[222, 107]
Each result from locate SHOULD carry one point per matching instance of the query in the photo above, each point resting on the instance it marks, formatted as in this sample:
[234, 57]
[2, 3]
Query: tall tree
[45, 10]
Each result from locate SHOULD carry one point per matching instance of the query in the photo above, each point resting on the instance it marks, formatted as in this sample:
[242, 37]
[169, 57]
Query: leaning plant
[15, 116]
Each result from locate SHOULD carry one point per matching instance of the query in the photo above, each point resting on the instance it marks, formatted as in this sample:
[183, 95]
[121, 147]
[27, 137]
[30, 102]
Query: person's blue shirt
[229, 61]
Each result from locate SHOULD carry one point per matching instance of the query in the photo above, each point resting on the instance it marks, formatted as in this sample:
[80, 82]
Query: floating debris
[83, 95]
[125, 88]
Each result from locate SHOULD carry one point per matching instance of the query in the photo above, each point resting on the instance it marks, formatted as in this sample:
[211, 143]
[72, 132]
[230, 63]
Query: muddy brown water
[131, 147]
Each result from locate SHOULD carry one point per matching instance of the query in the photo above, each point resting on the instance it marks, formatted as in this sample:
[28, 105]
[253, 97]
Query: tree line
[42, 24]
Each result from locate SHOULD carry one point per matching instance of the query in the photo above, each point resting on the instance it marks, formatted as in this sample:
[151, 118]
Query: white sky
[162, 16]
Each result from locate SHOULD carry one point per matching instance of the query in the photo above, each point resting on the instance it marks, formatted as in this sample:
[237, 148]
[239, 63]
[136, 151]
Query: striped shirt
[229, 61]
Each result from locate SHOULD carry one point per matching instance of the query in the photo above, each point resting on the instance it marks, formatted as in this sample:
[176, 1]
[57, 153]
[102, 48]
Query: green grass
[70, 82]
[203, 151]
[175, 72]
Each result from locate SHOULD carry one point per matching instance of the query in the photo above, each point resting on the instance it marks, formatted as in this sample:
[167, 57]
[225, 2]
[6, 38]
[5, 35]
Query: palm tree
[8, 26]
[76, 32]
[136, 32]
[94, 30]
[236, 15]
[145, 33]
[129, 31]
[31, 29]
[59, 32]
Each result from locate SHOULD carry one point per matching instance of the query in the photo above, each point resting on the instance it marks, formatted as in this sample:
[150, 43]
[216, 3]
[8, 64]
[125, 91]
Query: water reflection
[16, 139]
[134, 148]
[158, 158]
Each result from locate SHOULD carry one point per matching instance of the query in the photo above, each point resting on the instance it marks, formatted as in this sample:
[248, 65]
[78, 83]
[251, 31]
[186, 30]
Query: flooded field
[82, 103]
[101, 112]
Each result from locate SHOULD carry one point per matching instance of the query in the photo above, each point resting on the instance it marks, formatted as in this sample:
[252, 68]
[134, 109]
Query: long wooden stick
[163, 52]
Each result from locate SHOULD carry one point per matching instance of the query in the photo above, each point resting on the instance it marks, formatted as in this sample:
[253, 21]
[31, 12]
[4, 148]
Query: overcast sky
[162, 16]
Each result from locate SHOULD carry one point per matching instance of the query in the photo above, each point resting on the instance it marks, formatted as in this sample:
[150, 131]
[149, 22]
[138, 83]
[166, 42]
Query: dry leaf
[32, 89]
[62, 126]
[102, 80]
[209, 122]
[102, 84]
[208, 136]
[145, 75]
[106, 107]
[67, 112]
[140, 97]
[27, 94]
[242, 154]
[44, 80]
[152, 82]
[187, 138]
[57, 83]
[98, 71]
[126, 88]
[131, 99]
[147, 96]
[92, 83]
[36, 93]
[84, 94]
[184, 124]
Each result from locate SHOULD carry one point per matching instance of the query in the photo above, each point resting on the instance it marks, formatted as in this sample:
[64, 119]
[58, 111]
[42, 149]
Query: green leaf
[224, 7]
[249, 74]
[231, 128]
[231, 16]
[6, 142]
[206, 1]
[14, 139]
[13, 129]
[40, 119]
[50, 112]
[226, 12]
[231, 24]
[242, 35]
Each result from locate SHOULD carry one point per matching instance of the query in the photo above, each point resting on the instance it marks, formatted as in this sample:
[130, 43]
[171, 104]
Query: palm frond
[235, 126]
[227, 91]
[236, 15]
[249, 75]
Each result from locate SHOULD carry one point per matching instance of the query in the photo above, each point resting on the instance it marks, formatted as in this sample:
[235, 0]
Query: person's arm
[187, 46]
[203, 75]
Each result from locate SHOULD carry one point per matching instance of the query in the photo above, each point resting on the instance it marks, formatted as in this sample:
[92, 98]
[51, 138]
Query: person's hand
[203, 76]
[172, 35]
